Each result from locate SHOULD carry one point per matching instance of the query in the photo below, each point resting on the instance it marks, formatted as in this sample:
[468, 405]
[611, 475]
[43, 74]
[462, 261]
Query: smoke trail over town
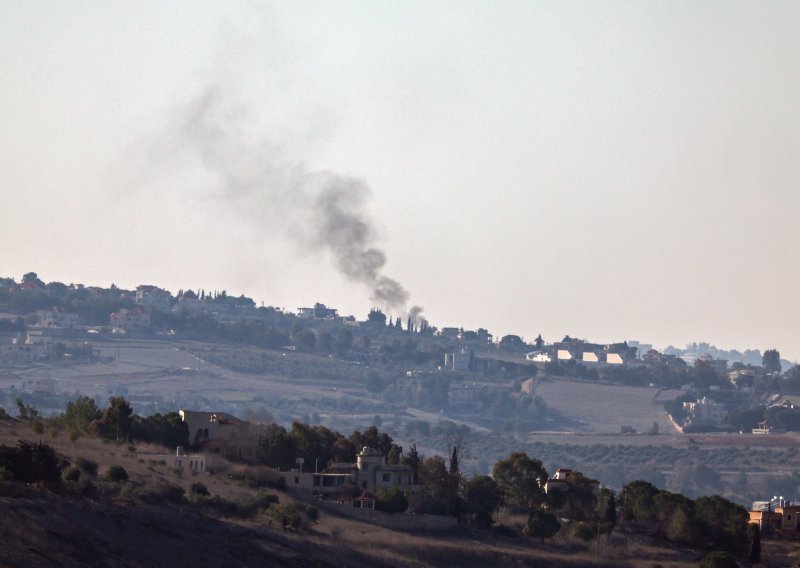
[321, 211]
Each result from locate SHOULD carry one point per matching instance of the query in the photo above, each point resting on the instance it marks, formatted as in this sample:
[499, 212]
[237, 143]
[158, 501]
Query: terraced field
[605, 409]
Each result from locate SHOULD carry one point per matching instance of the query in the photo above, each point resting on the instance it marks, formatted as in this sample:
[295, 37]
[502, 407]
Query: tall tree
[607, 508]
[483, 498]
[414, 460]
[521, 479]
[771, 361]
[637, 501]
[80, 413]
[435, 481]
[116, 420]
[454, 461]
[453, 503]
[755, 546]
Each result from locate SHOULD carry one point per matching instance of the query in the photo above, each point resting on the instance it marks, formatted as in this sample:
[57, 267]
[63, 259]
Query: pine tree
[755, 547]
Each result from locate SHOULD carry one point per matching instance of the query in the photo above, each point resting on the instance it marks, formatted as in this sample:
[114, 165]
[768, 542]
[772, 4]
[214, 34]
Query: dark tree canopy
[521, 479]
[542, 524]
[483, 498]
[771, 361]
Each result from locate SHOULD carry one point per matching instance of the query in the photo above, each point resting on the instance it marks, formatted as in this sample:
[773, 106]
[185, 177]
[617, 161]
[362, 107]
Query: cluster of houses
[776, 517]
[368, 475]
[584, 353]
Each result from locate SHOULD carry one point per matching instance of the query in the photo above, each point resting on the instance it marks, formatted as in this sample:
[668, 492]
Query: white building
[56, 318]
[194, 463]
[705, 410]
[459, 361]
[642, 349]
[153, 297]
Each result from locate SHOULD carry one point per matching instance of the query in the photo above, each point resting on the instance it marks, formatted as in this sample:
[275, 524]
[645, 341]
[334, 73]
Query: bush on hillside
[583, 531]
[719, 559]
[159, 493]
[198, 489]
[294, 515]
[87, 466]
[31, 463]
[71, 473]
[117, 474]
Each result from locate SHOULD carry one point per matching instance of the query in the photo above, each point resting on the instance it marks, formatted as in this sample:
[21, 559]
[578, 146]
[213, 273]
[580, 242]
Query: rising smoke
[319, 210]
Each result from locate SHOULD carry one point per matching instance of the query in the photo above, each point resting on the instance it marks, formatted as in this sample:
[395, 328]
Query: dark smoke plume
[320, 210]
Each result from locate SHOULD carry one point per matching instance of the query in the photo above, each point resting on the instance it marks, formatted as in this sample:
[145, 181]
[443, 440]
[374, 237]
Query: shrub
[160, 493]
[583, 531]
[541, 524]
[261, 502]
[31, 463]
[198, 489]
[391, 501]
[719, 559]
[86, 466]
[218, 504]
[294, 515]
[505, 530]
[261, 476]
[71, 474]
[117, 474]
[37, 427]
[228, 508]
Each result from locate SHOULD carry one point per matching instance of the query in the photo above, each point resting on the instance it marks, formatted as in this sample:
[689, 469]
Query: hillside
[115, 525]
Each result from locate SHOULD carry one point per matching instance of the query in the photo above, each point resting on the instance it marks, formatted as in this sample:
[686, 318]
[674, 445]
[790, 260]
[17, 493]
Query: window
[386, 477]
[296, 480]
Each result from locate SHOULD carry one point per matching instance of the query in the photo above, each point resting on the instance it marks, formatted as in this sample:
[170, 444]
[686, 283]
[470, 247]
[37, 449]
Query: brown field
[604, 409]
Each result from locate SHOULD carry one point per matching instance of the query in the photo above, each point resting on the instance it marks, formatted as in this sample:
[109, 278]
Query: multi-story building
[153, 297]
[706, 411]
[56, 318]
[211, 425]
[135, 320]
[370, 473]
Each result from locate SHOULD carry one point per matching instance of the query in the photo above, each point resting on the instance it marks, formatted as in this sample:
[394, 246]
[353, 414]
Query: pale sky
[608, 170]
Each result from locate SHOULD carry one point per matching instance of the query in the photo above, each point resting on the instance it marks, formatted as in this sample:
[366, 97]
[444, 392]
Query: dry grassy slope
[47, 530]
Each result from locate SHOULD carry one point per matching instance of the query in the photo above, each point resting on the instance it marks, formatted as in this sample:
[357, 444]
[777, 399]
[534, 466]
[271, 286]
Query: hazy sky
[608, 170]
